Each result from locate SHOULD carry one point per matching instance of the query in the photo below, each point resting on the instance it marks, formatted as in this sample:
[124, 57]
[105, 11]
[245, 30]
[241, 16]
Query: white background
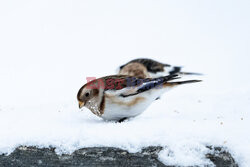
[48, 48]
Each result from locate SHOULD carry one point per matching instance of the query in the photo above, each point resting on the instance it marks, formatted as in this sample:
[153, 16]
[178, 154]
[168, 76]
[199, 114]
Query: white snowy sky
[48, 48]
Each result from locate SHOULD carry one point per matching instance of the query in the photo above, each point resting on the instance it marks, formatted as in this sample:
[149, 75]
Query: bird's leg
[123, 119]
[158, 98]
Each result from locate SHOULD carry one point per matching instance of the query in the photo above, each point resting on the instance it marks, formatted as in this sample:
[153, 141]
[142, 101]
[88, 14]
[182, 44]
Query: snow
[48, 48]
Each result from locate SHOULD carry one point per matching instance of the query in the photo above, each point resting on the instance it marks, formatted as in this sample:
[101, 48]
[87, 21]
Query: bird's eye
[86, 94]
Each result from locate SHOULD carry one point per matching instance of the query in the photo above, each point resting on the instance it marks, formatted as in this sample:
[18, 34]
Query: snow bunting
[118, 97]
[151, 68]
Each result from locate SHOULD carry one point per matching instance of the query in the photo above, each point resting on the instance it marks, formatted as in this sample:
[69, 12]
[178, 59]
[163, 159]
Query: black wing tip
[190, 73]
[184, 82]
[171, 77]
[197, 80]
[166, 65]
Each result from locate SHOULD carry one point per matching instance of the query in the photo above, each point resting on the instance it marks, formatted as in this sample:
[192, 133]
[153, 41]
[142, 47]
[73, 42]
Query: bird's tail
[178, 70]
[189, 73]
[169, 80]
[171, 84]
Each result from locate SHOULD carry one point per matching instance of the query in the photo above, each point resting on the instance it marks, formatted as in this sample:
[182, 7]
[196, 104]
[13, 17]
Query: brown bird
[150, 68]
[118, 97]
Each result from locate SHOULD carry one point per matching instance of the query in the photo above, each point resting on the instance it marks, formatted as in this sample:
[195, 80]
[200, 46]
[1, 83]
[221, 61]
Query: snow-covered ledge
[99, 156]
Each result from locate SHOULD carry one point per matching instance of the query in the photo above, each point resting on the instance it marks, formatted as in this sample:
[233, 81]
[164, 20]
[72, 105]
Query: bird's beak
[81, 104]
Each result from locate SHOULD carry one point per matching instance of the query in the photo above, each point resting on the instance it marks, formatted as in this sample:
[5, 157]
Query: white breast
[117, 107]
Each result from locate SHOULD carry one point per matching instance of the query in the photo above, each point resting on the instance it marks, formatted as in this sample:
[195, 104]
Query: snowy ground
[48, 48]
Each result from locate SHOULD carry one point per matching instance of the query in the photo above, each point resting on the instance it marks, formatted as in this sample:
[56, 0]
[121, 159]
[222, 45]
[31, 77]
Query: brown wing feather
[151, 65]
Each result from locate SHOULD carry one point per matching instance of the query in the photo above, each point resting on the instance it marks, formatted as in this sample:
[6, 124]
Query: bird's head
[85, 95]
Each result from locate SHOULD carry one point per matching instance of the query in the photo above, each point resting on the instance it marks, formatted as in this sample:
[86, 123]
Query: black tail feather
[181, 82]
[189, 73]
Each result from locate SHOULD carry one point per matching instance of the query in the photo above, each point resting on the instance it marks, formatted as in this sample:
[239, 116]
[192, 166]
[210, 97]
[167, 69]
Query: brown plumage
[117, 97]
[135, 69]
[145, 68]
[150, 64]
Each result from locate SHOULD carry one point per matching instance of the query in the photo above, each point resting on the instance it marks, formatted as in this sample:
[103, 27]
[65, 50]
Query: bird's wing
[155, 67]
[151, 65]
[132, 86]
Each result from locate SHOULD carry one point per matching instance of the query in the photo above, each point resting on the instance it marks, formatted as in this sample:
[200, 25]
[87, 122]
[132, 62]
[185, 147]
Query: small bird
[118, 97]
[151, 68]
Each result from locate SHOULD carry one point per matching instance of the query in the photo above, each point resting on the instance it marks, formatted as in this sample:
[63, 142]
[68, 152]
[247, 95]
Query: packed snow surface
[48, 48]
